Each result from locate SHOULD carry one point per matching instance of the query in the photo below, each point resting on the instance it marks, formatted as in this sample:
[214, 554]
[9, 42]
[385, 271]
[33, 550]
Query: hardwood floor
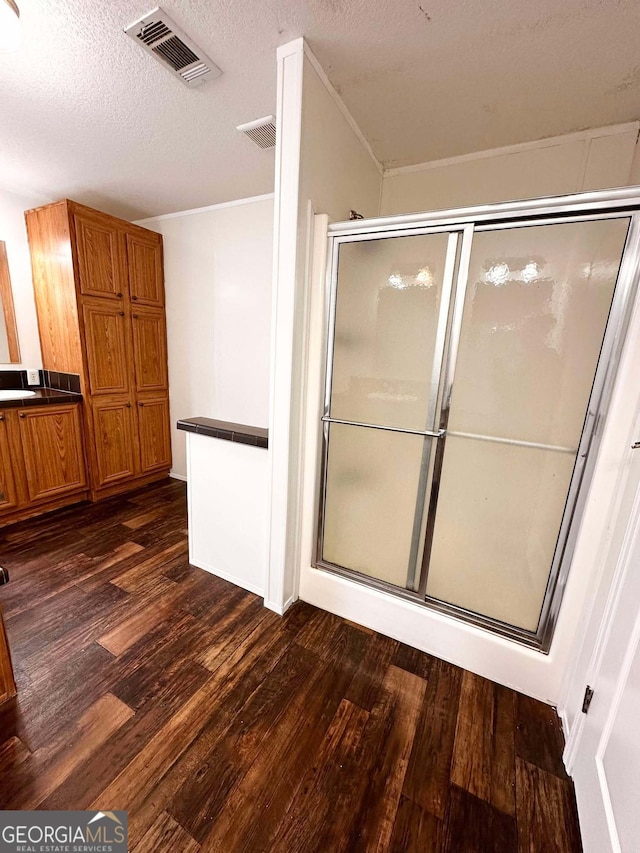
[147, 685]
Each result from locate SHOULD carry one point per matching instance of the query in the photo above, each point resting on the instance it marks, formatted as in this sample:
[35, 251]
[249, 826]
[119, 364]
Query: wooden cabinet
[52, 448]
[149, 349]
[100, 250]
[116, 441]
[106, 330]
[144, 252]
[7, 682]
[8, 487]
[155, 438]
[42, 460]
[113, 334]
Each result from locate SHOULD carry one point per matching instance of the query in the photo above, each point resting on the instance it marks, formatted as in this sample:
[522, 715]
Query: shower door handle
[635, 445]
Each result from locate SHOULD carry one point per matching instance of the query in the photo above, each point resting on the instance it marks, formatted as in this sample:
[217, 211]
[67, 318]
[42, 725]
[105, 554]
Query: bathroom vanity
[42, 460]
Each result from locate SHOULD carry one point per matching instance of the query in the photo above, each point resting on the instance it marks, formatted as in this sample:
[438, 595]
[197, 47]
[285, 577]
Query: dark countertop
[243, 434]
[42, 397]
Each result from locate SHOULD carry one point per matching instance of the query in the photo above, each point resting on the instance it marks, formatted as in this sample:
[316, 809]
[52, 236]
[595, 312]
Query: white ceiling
[85, 113]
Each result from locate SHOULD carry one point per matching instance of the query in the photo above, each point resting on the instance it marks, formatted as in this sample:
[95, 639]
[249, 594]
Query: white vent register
[156, 33]
[262, 131]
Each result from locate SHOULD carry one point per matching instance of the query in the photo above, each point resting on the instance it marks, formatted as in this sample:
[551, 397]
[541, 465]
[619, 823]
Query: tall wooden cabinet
[99, 291]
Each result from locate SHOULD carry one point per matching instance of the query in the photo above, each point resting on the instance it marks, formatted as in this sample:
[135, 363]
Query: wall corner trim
[278, 608]
[285, 253]
[195, 210]
[309, 54]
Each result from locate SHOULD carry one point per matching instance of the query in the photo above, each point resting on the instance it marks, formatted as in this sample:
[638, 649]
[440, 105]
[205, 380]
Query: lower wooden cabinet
[132, 440]
[7, 682]
[115, 441]
[42, 462]
[52, 449]
[155, 438]
[9, 498]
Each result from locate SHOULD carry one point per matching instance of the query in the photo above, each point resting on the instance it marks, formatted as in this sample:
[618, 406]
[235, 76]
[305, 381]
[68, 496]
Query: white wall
[594, 159]
[218, 269]
[228, 503]
[322, 163]
[14, 234]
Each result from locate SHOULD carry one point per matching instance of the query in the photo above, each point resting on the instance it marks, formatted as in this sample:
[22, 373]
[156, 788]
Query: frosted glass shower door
[392, 302]
[534, 315]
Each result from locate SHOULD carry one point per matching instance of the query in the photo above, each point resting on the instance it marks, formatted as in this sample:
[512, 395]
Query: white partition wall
[228, 509]
[324, 164]
[218, 272]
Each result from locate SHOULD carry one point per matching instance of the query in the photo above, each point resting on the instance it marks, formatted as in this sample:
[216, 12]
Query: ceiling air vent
[156, 33]
[262, 131]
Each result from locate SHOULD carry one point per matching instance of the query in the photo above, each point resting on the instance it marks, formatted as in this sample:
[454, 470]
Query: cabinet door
[155, 436]
[7, 683]
[107, 343]
[149, 349]
[102, 265]
[144, 257]
[115, 437]
[53, 452]
[8, 487]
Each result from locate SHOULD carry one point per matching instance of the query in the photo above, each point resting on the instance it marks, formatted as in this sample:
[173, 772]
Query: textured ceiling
[85, 113]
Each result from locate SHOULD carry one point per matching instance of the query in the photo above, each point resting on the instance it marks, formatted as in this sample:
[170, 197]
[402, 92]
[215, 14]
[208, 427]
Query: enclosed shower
[469, 360]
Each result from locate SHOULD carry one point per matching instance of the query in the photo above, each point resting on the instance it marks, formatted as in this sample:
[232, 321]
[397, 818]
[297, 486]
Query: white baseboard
[227, 577]
[278, 608]
[178, 476]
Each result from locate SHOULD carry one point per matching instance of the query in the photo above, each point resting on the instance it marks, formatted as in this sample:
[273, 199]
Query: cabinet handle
[128, 405]
[22, 415]
[121, 313]
[134, 298]
[119, 295]
[141, 404]
[1, 417]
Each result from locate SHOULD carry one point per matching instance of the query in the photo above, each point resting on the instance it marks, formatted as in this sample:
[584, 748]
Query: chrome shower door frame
[623, 203]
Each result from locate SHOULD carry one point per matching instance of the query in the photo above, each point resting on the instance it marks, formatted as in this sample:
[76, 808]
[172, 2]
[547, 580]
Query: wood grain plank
[538, 738]
[316, 816]
[54, 762]
[159, 753]
[475, 826]
[415, 830]
[401, 698]
[12, 753]
[128, 632]
[144, 518]
[427, 780]
[413, 660]
[291, 749]
[166, 836]
[96, 774]
[547, 816]
[365, 688]
[484, 751]
[201, 799]
[132, 579]
[261, 651]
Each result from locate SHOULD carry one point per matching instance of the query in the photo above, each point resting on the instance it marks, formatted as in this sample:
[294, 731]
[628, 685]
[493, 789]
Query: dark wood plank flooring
[151, 686]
